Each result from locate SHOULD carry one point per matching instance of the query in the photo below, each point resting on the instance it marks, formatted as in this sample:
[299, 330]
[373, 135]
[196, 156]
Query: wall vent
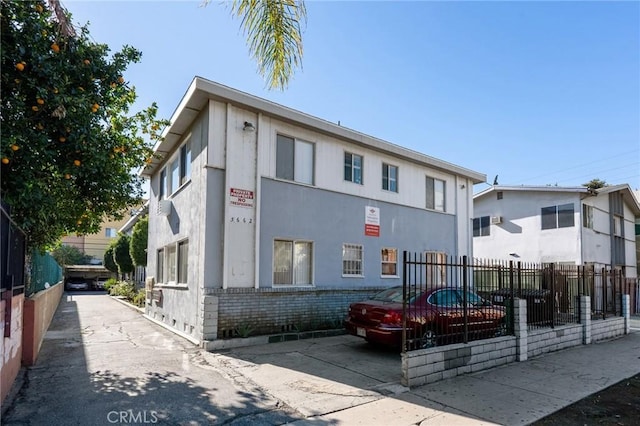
[495, 220]
[164, 207]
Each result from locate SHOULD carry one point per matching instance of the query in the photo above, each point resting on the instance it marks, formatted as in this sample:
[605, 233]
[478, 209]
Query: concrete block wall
[431, 365]
[546, 340]
[425, 366]
[607, 328]
[277, 310]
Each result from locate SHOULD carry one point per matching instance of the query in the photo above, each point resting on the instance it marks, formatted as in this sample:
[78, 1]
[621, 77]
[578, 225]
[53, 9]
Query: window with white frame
[436, 268]
[177, 173]
[352, 260]
[183, 262]
[481, 226]
[389, 262]
[185, 162]
[160, 266]
[389, 177]
[561, 216]
[295, 159]
[173, 263]
[111, 232]
[587, 216]
[292, 262]
[353, 167]
[435, 194]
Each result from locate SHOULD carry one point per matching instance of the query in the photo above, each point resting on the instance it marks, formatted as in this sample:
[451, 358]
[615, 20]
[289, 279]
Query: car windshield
[393, 294]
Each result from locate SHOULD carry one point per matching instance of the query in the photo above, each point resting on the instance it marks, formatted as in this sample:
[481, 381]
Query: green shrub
[110, 283]
[123, 289]
[139, 298]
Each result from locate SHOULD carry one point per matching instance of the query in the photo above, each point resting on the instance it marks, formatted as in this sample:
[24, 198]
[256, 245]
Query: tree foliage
[69, 255]
[274, 34]
[109, 261]
[69, 144]
[121, 254]
[139, 238]
[595, 184]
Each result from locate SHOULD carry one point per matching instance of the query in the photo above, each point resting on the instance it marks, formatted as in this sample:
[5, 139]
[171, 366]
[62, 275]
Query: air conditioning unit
[495, 220]
[164, 207]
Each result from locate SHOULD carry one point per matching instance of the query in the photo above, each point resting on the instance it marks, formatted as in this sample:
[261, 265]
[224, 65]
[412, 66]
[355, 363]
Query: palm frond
[274, 34]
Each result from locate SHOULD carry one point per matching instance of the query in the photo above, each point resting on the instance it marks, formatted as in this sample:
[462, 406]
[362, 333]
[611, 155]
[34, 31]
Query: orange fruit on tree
[20, 66]
[113, 85]
[15, 147]
[121, 79]
[39, 8]
[95, 106]
[76, 162]
[34, 108]
[55, 47]
[67, 176]
[87, 62]
[40, 101]
[5, 160]
[62, 139]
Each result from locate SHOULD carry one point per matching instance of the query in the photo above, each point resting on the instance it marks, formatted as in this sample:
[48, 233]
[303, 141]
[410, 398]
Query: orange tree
[69, 146]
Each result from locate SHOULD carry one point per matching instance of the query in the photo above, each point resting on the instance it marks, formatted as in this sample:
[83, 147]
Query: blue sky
[539, 93]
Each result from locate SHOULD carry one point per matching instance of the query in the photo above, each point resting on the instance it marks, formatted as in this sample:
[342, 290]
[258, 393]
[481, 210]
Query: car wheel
[502, 329]
[429, 339]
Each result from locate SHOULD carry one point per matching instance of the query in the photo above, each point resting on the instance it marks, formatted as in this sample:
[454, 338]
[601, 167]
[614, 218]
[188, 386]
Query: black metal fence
[448, 300]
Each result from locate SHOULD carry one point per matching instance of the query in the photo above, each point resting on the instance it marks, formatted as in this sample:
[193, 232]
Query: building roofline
[201, 90]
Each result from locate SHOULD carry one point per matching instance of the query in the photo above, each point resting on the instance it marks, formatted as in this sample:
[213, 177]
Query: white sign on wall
[241, 197]
[372, 221]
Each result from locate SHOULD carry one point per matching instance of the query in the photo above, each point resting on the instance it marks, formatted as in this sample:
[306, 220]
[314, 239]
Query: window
[294, 160]
[160, 267]
[499, 195]
[435, 194]
[171, 263]
[557, 216]
[111, 232]
[352, 259]
[481, 226]
[175, 175]
[587, 216]
[618, 225]
[163, 184]
[183, 262]
[389, 259]
[292, 262]
[179, 172]
[389, 177]
[353, 168]
[185, 162]
[436, 268]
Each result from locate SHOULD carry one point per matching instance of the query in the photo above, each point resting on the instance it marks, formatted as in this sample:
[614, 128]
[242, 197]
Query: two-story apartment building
[264, 219]
[549, 224]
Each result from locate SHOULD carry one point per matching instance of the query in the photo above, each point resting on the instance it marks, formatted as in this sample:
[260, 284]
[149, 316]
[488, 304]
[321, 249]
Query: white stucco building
[567, 225]
[263, 219]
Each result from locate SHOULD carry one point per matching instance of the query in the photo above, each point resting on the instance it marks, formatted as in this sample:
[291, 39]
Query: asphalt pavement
[103, 363]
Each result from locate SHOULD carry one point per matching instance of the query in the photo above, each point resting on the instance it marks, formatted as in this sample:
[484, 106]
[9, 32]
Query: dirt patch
[618, 404]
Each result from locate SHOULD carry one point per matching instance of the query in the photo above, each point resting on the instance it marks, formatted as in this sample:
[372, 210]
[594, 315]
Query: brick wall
[276, 310]
[607, 328]
[541, 341]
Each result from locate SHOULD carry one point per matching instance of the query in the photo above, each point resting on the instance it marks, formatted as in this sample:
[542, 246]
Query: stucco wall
[11, 346]
[38, 313]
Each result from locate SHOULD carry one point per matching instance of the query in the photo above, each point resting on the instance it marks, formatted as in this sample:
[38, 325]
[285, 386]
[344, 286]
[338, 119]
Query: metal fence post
[465, 288]
[405, 270]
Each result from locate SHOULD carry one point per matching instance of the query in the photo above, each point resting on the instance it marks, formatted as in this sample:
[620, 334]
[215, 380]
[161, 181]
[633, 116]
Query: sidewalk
[515, 394]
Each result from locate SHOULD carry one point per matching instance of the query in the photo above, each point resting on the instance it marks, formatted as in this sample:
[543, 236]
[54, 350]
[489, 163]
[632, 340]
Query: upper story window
[110, 232]
[481, 226]
[353, 167]
[587, 216]
[177, 173]
[295, 160]
[389, 177]
[561, 216]
[435, 194]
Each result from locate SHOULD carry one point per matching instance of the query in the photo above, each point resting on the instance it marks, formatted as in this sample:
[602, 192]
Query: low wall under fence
[423, 366]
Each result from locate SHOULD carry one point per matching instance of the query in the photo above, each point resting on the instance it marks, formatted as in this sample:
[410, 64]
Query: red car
[434, 317]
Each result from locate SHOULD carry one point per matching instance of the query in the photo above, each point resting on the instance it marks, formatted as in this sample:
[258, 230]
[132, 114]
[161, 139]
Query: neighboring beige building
[95, 245]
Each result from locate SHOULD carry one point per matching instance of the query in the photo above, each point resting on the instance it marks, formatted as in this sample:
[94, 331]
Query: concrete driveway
[316, 376]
